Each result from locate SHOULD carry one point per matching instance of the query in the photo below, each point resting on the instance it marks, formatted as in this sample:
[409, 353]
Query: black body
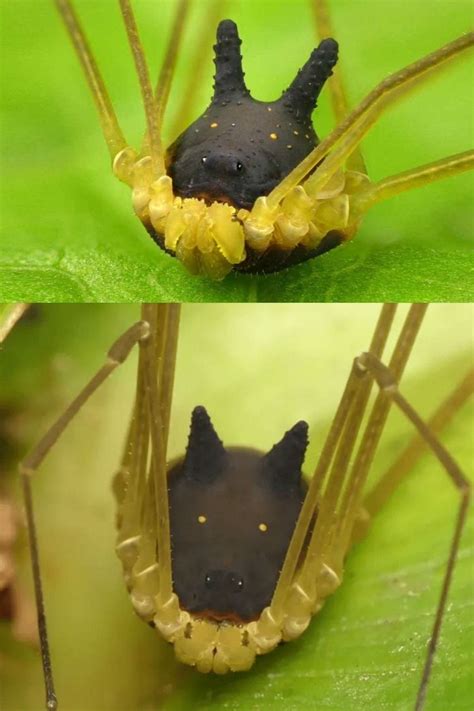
[232, 514]
[241, 148]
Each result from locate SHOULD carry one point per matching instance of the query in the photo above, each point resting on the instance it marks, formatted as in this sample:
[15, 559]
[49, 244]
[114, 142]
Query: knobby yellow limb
[110, 127]
[347, 136]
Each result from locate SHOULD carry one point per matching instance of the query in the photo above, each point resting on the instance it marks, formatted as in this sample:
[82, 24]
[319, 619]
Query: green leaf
[68, 231]
[258, 369]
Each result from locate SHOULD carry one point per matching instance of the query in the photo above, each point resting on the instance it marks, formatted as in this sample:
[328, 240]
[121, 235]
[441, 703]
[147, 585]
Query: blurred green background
[258, 369]
[68, 232]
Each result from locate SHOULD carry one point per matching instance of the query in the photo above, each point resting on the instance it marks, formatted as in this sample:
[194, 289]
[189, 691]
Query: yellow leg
[169, 64]
[156, 151]
[13, 314]
[341, 498]
[183, 113]
[110, 127]
[336, 447]
[168, 67]
[387, 382]
[340, 104]
[160, 358]
[416, 448]
[141, 488]
[416, 178]
[342, 141]
[117, 354]
[352, 497]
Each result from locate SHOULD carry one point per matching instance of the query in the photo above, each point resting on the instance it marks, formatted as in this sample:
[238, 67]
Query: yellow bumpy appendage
[211, 239]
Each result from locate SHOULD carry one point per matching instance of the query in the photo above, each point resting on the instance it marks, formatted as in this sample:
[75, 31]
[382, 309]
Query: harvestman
[247, 186]
[335, 512]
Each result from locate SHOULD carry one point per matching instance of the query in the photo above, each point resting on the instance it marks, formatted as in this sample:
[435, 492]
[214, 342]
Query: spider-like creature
[226, 551]
[248, 185]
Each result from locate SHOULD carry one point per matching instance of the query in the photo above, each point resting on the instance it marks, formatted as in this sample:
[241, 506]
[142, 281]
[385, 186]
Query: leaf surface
[257, 369]
[67, 228]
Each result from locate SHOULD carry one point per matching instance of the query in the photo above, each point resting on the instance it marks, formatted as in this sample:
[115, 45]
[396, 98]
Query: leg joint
[119, 351]
[383, 375]
[25, 470]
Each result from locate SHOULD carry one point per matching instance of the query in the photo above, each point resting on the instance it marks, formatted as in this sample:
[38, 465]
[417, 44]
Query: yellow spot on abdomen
[263, 527]
[202, 519]
[214, 125]
[273, 136]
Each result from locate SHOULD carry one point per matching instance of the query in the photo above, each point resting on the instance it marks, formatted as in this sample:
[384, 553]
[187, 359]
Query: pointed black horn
[303, 92]
[229, 77]
[283, 462]
[205, 453]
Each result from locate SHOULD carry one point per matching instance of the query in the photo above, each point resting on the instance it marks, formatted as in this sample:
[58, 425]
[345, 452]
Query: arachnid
[247, 186]
[166, 511]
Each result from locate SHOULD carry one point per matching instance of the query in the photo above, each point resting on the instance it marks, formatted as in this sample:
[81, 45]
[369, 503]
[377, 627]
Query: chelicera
[228, 552]
[248, 186]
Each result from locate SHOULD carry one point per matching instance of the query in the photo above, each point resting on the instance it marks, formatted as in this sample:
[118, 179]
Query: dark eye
[203, 159]
[236, 583]
[239, 165]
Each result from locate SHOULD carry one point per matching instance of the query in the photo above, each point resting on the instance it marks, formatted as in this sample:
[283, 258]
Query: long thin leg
[416, 448]
[163, 84]
[183, 113]
[373, 431]
[10, 317]
[157, 156]
[347, 136]
[387, 383]
[341, 497]
[416, 178]
[116, 355]
[167, 70]
[141, 486]
[340, 104]
[346, 421]
[110, 126]
[161, 356]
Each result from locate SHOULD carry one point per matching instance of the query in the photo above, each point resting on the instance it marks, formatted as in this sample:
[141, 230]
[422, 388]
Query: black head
[232, 520]
[241, 148]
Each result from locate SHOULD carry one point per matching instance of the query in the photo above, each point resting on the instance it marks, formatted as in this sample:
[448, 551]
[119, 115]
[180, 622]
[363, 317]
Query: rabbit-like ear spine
[282, 465]
[301, 96]
[205, 454]
[229, 76]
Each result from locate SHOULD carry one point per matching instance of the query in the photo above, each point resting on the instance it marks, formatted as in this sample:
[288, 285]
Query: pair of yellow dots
[262, 526]
[274, 137]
